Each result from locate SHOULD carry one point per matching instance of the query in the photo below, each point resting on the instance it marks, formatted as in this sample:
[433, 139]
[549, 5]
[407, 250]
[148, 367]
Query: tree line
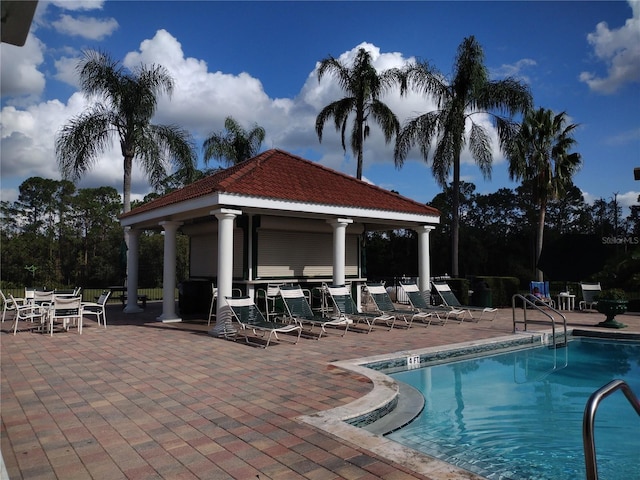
[55, 235]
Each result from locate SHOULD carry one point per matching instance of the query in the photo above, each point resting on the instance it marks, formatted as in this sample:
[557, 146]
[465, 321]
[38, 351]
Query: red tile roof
[276, 174]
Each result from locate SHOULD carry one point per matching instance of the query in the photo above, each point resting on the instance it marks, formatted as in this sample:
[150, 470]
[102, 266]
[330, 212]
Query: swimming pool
[518, 415]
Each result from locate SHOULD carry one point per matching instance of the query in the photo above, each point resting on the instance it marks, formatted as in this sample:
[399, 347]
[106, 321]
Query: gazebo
[273, 218]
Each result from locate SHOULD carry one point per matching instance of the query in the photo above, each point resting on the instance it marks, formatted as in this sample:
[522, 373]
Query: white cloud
[514, 70]
[627, 199]
[79, 5]
[619, 49]
[624, 138]
[19, 76]
[86, 27]
[66, 70]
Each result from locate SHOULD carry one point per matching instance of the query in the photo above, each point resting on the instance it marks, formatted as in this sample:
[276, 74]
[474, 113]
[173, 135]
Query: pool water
[518, 415]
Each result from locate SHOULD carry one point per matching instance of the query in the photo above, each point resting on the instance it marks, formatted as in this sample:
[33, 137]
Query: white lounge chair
[299, 310]
[418, 302]
[589, 293]
[346, 307]
[250, 319]
[450, 300]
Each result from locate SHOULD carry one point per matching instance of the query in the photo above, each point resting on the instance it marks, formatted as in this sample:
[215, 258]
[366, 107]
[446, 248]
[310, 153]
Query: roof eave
[275, 206]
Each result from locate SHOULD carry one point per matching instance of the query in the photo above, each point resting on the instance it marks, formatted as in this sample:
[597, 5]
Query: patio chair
[539, 292]
[346, 307]
[97, 308]
[589, 293]
[250, 319]
[270, 296]
[214, 300]
[298, 310]
[450, 300]
[43, 298]
[383, 303]
[67, 310]
[25, 311]
[418, 302]
[10, 306]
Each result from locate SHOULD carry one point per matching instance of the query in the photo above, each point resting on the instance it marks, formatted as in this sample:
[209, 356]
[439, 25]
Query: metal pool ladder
[526, 302]
[588, 419]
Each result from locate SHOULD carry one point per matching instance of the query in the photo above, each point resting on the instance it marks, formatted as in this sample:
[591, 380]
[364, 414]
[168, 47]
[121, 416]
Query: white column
[339, 241]
[133, 241]
[169, 273]
[226, 219]
[424, 259]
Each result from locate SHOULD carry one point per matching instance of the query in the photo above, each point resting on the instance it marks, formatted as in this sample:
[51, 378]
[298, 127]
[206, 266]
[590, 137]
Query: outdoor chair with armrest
[66, 310]
[26, 312]
[250, 319]
[383, 303]
[346, 307]
[418, 302]
[450, 300]
[10, 305]
[43, 298]
[540, 294]
[97, 308]
[298, 310]
[589, 293]
[214, 300]
[270, 295]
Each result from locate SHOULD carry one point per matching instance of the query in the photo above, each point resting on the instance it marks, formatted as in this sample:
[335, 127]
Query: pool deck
[147, 400]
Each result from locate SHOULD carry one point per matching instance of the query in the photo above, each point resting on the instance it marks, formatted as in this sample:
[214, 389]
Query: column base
[132, 309]
[222, 330]
[168, 319]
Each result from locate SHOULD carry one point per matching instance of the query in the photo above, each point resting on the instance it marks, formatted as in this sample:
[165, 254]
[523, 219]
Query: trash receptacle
[481, 296]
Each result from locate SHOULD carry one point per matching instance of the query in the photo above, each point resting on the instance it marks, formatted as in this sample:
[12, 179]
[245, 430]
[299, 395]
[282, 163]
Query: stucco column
[133, 242]
[226, 219]
[339, 248]
[424, 258]
[169, 273]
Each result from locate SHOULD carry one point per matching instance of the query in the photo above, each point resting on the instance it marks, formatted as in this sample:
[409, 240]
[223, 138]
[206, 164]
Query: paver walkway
[145, 400]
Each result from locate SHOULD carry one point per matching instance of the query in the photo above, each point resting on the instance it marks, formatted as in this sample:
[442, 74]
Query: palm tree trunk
[360, 120]
[455, 217]
[540, 237]
[126, 184]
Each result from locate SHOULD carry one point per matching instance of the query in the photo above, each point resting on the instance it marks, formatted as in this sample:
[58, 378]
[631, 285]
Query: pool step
[410, 404]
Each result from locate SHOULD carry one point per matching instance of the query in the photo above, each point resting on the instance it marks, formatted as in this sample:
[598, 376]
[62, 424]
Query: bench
[141, 298]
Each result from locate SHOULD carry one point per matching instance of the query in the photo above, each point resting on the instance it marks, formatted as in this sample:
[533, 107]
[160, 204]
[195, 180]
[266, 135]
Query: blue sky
[256, 61]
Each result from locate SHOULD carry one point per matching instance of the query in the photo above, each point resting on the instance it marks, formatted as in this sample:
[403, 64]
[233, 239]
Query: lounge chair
[450, 300]
[589, 293]
[250, 319]
[383, 303]
[346, 307]
[298, 310]
[539, 293]
[417, 302]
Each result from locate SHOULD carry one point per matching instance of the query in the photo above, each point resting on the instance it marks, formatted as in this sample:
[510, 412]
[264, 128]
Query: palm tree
[540, 156]
[235, 145]
[469, 93]
[125, 104]
[363, 87]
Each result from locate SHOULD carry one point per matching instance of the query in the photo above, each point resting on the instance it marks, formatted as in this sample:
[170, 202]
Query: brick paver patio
[145, 400]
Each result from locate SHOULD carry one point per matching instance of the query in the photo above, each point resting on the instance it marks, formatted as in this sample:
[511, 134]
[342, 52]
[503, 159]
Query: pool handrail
[588, 421]
[527, 302]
